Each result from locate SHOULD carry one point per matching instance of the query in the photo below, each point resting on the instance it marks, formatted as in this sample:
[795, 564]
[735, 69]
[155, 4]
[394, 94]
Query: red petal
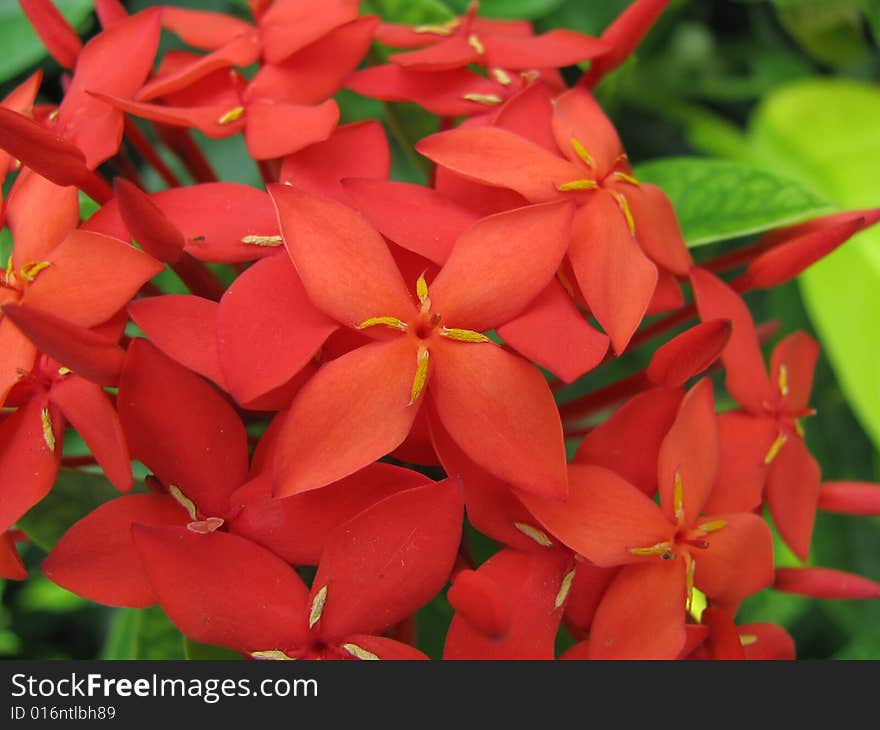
[274, 130]
[415, 217]
[642, 614]
[221, 589]
[354, 410]
[689, 354]
[11, 567]
[589, 585]
[204, 118]
[288, 25]
[96, 557]
[797, 353]
[529, 584]
[529, 113]
[746, 375]
[84, 351]
[184, 327]
[553, 333]
[34, 232]
[201, 29]
[604, 517]
[479, 600]
[19, 353]
[554, 49]
[500, 411]
[27, 466]
[578, 116]
[657, 228]
[739, 559]
[344, 264]
[495, 268]
[723, 642]
[502, 159]
[296, 528]
[57, 35]
[850, 498]
[268, 328]
[825, 583]
[90, 277]
[628, 443]
[152, 230]
[793, 493]
[689, 453]
[181, 429]
[766, 642]
[110, 13]
[389, 560]
[89, 410]
[615, 277]
[744, 441]
[449, 53]
[384, 648]
[353, 150]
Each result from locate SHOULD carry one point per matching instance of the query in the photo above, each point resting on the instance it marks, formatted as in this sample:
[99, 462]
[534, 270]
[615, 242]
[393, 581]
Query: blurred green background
[786, 92]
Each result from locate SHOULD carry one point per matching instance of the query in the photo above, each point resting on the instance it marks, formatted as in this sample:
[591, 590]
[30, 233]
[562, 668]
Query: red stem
[199, 279]
[190, 154]
[142, 146]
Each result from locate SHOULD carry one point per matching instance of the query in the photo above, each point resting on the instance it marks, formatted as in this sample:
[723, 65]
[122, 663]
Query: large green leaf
[142, 633]
[74, 495]
[721, 199]
[208, 652]
[21, 46]
[409, 12]
[825, 132]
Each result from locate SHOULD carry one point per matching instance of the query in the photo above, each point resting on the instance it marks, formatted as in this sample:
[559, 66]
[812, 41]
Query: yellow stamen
[578, 185]
[463, 335]
[627, 213]
[624, 177]
[678, 496]
[501, 76]
[10, 275]
[48, 433]
[203, 527]
[270, 241]
[62, 371]
[487, 99]
[360, 652]
[183, 501]
[713, 526]
[581, 151]
[233, 115]
[799, 428]
[663, 549]
[534, 533]
[748, 639]
[275, 654]
[783, 380]
[318, 606]
[421, 376]
[422, 289]
[476, 44]
[29, 271]
[392, 322]
[775, 448]
[437, 28]
[54, 115]
[691, 570]
[564, 589]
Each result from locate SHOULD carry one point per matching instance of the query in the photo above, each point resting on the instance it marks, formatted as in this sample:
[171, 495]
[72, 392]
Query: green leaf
[142, 633]
[21, 46]
[829, 30]
[195, 650]
[825, 133]
[74, 495]
[721, 199]
[523, 9]
[409, 12]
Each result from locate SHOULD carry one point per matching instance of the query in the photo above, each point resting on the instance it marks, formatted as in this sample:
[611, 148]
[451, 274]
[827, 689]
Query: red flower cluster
[375, 331]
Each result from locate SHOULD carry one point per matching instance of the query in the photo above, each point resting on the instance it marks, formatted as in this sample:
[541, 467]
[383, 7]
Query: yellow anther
[662, 549]
[487, 99]
[437, 28]
[10, 274]
[459, 335]
[678, 496]
[29, 271]
[713, 526]
[269, 241]
[627, 178]
[422, 289]
[783, 380]
[578, 185]
[476, 44]
[318, 606]
[534, 533]
[748, 639]
[274, 654]
[691, 571]
[233, 115]
[421, 376]
[775, 448]
[48, 433]
[360, 652]
[581, 151]
[501, 76]
[183, 501]
[203, 527]
[799, 428]
[392, 322]
[564, 589]
[627, 213]
[62, 371]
